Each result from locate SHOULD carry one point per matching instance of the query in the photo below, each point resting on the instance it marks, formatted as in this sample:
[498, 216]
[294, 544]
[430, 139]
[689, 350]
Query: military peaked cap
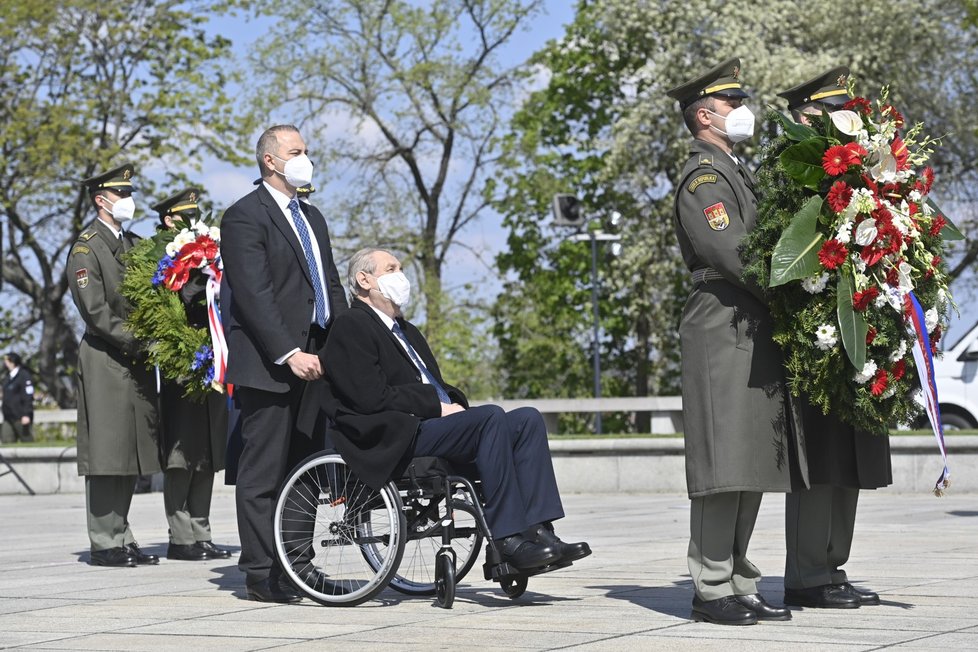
[723, 80]
[829, 88]
[118, 179]
[183, 203]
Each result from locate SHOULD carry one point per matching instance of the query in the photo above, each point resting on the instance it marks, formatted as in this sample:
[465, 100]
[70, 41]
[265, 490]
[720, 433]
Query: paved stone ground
[919, 552]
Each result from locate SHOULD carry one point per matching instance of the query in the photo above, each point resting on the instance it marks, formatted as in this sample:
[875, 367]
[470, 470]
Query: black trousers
[510, 451]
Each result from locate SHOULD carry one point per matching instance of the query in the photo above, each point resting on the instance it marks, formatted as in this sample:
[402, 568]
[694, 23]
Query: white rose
[869, 370]
[866, 232]
[825, 337]
[848, 122]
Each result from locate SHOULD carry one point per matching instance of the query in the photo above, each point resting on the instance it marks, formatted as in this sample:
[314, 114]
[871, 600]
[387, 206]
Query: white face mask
[297, 170]
[396, 287]
[740, 124]
[123, 209]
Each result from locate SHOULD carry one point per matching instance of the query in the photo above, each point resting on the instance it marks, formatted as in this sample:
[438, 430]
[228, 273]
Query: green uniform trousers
[187, 500]
[108, 498]
[720, 527]
[818, 529]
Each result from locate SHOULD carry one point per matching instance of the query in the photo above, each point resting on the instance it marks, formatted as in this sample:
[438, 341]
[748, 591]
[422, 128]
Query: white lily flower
[848, 122]
[904, 271]
[866, 232]
[868, 371]
[844, 234]
[930, 319]
[885, 169]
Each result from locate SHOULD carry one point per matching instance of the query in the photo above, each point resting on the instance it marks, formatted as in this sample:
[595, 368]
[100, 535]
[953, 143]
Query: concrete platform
[918, 551]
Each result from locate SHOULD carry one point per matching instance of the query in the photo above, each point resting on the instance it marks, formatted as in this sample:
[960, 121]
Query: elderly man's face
[385, 263]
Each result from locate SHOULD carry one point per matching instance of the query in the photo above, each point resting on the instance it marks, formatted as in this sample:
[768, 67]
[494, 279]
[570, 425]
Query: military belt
[705, 274]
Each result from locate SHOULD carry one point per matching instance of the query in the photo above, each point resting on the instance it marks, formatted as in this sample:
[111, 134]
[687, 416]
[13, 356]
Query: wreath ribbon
[218, 343]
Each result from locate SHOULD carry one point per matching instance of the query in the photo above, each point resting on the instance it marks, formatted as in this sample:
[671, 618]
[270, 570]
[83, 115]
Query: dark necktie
[442, 394]
[317, 279]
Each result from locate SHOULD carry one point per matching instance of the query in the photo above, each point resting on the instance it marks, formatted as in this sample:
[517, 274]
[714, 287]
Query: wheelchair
[341, 542]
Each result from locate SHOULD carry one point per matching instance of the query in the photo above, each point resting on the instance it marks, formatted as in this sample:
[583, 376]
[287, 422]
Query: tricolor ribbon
[925, 370]
[218, 344]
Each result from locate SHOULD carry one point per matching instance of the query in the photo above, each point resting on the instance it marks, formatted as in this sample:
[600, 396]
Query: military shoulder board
[87, 235]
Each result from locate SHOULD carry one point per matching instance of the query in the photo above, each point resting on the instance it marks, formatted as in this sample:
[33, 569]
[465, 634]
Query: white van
[957, 388]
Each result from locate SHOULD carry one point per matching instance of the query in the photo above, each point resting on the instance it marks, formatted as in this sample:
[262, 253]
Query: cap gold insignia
[736, 72]
[193, 196]
[841, 81]
[126, 174]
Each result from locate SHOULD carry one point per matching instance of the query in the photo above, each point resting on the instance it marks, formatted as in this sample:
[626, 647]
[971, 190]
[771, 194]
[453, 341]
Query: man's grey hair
[362, 261]
[268, 143]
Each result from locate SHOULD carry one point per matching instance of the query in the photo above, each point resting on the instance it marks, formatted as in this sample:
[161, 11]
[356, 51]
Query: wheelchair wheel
[514, 585]
[445, 580]
[325, 520]
[417, 572]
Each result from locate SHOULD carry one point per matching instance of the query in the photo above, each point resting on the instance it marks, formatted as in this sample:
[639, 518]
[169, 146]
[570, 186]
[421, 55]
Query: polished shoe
[762, 609]
[112, 557]
[865, 597]
[722, 611]
[526, 554]
[267, 591]
[213, 551]
[827, 596]
[186, 552]
[544, 534]
[141, 558]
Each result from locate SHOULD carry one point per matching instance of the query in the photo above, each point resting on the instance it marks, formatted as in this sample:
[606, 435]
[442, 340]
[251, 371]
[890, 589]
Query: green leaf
[795, 131]
[949, 232]
[803, 162]
[796, 254]
[852, 326]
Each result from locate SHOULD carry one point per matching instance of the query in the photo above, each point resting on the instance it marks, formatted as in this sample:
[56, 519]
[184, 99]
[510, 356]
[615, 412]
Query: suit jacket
[18, 396]
[377, 398]
[266, 272]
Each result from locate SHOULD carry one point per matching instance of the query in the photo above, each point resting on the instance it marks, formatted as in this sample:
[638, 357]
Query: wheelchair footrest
[494, 572]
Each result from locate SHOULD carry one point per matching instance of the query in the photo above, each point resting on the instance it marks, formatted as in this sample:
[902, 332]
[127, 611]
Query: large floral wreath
[847, 240]
[168, 276]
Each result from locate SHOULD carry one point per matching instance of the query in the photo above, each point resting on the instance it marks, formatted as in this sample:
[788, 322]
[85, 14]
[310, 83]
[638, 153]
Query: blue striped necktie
[317, 278]
[442, 394]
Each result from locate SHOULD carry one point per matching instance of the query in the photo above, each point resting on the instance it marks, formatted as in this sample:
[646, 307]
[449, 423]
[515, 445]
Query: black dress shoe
[141, 558]
[544, 533]
[762, 609]
[865, 597]
[722, 611]
[827, 596]
[525, 554]
[112, 557]
[267, 591]
[213, 551]
[186, 552]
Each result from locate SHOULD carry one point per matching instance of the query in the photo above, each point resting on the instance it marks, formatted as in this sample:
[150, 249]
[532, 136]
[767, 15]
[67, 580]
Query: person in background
[18, 401]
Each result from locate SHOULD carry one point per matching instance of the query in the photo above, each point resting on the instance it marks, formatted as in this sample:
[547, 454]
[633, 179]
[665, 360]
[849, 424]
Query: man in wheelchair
[390, 404]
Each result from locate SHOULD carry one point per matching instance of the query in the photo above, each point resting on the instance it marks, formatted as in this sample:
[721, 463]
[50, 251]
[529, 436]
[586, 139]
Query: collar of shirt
[384, 317]
[280, 197]
[13, 373]
[115, 232]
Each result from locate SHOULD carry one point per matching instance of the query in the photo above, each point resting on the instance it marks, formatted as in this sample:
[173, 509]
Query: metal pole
[597, 327]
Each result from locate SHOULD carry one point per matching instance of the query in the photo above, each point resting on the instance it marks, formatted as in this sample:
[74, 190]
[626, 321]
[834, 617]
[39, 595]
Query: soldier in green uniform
[117, 431]
[193, 433]
[819, 522]
[738, 438]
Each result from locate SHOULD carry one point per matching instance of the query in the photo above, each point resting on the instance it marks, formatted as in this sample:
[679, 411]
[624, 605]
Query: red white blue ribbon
[925, 370]
[218, 344]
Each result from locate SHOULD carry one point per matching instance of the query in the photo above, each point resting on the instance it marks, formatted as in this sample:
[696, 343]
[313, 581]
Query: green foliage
[796, 254]
[87, 85]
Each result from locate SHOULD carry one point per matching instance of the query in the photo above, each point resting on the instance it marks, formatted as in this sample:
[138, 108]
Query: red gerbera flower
[832, 254]
[880, 382]
[928, 175]
[835, 161]
[859, 104]
[862, 299]
[893, 276]
[898, 370]
[900, 153]
[840, 194]
[870, 335]
[935, 337]
[896, 116]
[936, 226]
[855, 153]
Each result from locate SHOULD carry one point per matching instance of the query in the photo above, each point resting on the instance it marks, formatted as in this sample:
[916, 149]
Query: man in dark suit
[18, 401]
[286, 291]
[390, 403]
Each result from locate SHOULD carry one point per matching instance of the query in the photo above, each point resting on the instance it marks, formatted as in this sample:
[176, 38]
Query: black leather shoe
[525, 554]
[213, 551]
[762, 609]
[112, 557]
[722, 611]
[266, 591]
[186, 552]
[544, 534]
[141, 558]
[864, 597]
[827, 596]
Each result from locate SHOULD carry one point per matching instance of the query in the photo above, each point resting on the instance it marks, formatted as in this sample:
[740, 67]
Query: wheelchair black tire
[445, 580]
[344, 513]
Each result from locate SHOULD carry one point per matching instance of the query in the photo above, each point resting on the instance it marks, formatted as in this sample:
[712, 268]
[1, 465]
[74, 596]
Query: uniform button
[311, 302]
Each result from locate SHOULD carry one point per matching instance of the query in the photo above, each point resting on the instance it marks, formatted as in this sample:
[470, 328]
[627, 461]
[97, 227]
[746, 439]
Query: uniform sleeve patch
[700, 180]
[716, 216]
[29, 388]
[81, 249]
[81, 278]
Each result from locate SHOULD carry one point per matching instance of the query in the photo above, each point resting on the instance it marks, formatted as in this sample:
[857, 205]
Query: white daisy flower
[815, 284]
[825, 337]
[869, 370]
[900, 352]
[930, 319]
